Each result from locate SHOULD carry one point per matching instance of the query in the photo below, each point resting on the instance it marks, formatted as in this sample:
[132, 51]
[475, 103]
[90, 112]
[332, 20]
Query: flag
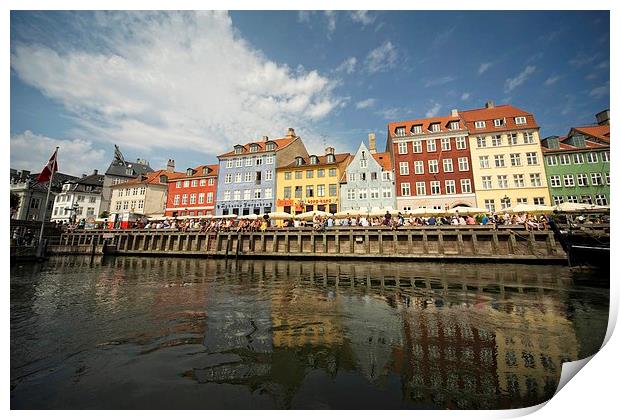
[49, 170]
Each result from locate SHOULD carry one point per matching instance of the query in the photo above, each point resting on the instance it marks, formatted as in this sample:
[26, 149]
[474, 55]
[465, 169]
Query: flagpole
[47, 198]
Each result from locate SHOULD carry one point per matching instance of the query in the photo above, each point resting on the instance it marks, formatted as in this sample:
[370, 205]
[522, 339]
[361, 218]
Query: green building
[577, 165]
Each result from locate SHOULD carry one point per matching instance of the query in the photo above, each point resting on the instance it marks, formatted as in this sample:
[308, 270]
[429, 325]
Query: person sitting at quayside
[432, 221]
[485, 220]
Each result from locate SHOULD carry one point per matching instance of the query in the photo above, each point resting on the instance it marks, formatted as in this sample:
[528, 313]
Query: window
[578, 158]
[400, 131]
[607, 178]
[489, 204]
[248, 177]
[270, 147]
[258, 177]
[502, 181]
[512, 139]
[447, 165]
[465, 186]
[461, 143]
[402, 148]
[498, 122]
[420, 188]
[314, 160]
[120, 193]
[403, 168]
[601, 200]
[582, 180]
[552, 160]
[385, 176]
[287, 192]
[309, 190]
[433, 166]
[298, 174]
[564, 160]
[362, 194]
[259, 160]
[417, 129]
[431, 145]
[569, 181]
[192, 199]
[333, 190]
[418, 166]
[194, 182]
[405, 189]
[445, 144]
[587, 199]
[257, 193]
[238, 177]
[248, 161]
[486, 182]
[592, 157]
[203, 182]
[268, 175]
[480, 124]
[351, 176]
[454, 125]
[238, 162]
[269, 159]
[363, 175]
[332, 171]
[201, 198]
[229, 163]
[118, 206]
[298, 191]
[374, 193]
[505, 202]
[604, 157]
[351, 194]
[532, 158]
[450, 186]
[435, 187]
[519, 180]
[520, 120]
[535, 180]
[597, 179]
[435, 128]
[254, 148]
[417, 146]
[499, 161]
[178, 184]
[268, 193]
[496, 140]
[481, 142]
[515, 159]
[184, 199]
[557, 200]
[287, 176]
[539, 201]
[320, 173]
[331, 158]
[228, 178]
[528, 138]
[387, 193]
[463, 164]
[373, 176]
[226, 195]
[237, 194]
[484, 162]
[572, 199]
[320, 190]
[177, 199]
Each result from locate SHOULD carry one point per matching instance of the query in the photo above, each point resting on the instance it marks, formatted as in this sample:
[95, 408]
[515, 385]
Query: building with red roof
[193, 194]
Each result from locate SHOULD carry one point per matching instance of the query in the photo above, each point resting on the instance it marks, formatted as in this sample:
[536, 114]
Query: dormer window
[205, 170]
[163, 179]
[435, 127]
[498, 122]
[254, 148]
[238, 150]
[400, 131]
[128, 171]
[454, 125]
[270, 147]
[314, 160]
[299, 161]
[480, 124]
[520, 120]
[331, 159]
[189, 172]
[417, 129]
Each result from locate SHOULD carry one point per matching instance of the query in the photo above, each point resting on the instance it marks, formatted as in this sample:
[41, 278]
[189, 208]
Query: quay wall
[476, 244]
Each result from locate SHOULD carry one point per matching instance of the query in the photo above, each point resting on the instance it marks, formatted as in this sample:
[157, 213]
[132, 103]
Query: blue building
[369, 180]
[247, 177]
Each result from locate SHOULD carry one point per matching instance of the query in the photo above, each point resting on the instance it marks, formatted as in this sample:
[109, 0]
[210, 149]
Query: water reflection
[133, 332]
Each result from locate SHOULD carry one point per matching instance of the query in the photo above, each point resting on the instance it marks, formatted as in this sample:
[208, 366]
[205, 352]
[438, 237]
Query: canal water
[164, 333]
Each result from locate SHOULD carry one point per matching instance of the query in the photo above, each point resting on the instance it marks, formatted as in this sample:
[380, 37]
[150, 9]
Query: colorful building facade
[369, 180]
[194, 193]
[312, 182]
[79, 199]
[432, 163]
[247, 175]
[506, 157]
[577, 165]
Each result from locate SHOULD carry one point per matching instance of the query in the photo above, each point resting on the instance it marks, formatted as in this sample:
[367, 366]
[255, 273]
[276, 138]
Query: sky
[190, 85]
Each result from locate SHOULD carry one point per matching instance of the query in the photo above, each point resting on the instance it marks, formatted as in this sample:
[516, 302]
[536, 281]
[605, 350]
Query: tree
[104, 215]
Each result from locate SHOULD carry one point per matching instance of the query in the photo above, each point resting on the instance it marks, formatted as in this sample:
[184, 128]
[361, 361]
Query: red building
[432, 163]
[194, 193]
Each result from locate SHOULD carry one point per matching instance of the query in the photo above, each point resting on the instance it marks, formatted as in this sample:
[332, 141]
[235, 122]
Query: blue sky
[188, 86]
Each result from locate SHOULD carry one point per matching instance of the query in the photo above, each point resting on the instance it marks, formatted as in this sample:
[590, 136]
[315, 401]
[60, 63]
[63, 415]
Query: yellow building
[506, 156]
[311, 183]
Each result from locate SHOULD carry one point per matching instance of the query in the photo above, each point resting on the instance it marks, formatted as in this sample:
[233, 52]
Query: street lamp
[74, 210]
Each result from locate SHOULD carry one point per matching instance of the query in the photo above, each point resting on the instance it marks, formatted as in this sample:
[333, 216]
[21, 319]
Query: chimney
[455, 113]
[489, 104]
[372, 143]
[170, 166]
[95, 171]
[291, 133]
[265, 138]
[602, 118]
[329, 150]
[84, 175]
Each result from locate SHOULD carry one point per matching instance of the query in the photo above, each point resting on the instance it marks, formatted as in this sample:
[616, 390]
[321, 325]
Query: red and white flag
[49, 170]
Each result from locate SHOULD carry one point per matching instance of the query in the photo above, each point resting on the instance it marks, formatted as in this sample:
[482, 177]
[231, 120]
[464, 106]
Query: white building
[79, 199]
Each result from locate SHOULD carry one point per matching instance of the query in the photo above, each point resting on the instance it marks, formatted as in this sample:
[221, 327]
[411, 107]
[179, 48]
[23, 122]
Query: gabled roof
[444, 124]
[89, 183]
[384, 159]
[118, 168]
[151, 178]
[338, 158]
[600, 132]
[33, 184]
[488, 115]
[198, 172]
[280, 144]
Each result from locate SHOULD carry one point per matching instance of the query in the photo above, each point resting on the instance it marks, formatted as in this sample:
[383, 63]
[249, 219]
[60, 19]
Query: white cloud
[347, 66]
[600, 91]
[363, 17]
[331, 21]
[303, 16]
[582, 59]
[484, 67]
[551, 80]
[176, 81]
[519, 79]
[366, 103]
[32, 151]
[381, 58]
[433, 111]
[591, 76]
[465, 96]
[442, 38]
[439, 81]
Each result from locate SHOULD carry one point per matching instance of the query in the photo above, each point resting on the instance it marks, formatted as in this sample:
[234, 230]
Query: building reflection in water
[445, 336]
